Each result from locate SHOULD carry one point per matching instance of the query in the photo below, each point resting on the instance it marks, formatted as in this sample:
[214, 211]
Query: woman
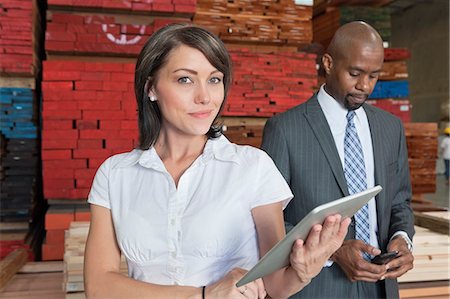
[190, 210]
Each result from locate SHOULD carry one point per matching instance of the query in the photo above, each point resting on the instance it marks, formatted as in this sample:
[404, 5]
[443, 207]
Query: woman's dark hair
[153, 57]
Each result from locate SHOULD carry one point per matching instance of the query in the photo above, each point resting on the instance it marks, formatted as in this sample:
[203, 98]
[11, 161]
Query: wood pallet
[422, 143]
[431, 254]
[37, 280]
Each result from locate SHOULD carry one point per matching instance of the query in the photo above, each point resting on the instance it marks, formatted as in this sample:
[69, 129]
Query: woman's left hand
[308, 257]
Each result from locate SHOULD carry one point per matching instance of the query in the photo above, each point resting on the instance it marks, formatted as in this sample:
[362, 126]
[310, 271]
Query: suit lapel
[376, 132]
[321, 130]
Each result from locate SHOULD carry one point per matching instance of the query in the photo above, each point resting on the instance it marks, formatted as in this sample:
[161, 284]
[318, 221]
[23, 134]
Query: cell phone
[384, 258]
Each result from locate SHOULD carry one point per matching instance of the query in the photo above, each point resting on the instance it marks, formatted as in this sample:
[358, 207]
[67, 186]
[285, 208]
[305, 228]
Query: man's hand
[349, 258]
[405, 260]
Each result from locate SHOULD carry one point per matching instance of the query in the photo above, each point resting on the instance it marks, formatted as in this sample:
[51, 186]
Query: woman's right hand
[226, 287]
[308, 257]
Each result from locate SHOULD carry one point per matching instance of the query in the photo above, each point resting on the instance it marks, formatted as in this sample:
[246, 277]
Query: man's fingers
[371, 250]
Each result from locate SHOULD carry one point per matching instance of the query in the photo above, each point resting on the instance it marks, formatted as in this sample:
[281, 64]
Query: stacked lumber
[57, 220]
[326, 24]
[2, 155]
[75, 242]
[20, 40]
[430, 276]
[392, 89]
[399, 107]
[88, 114]
[19, 20]
[88, 104]
[11, 264]
[250, 21]
[422, 142]
[266, 84]
[37, 280]
[12, 237]
[18, 124]
[320, 6]
[431, 254]
[168, 7]
[18, 193]
[81, 34]
[244, 130]
[18, 111]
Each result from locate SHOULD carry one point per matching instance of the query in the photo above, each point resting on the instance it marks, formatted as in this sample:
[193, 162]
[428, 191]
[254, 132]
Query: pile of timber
[249, 21]
[98, 34]
[75, 242]
[244, 130]
[135, 7]
[326, 24]
[21, 36]
[37, 280]
[320, 6]
[392, 89]
[266, 84]
[57, 220]
[422, 143]
[88, 103]
[430, 275]
[19, 157]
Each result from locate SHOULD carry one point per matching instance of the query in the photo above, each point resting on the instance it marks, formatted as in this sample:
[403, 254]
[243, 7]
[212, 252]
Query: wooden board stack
[89, 113]
[75, 242]
[244, 130]
[89, 110]
[326, 24]
[422, 142]
[270, 74]
[392, 90]
[20, 40]
[57, 220]
[273, 22]
[430, 275]
[266, 84]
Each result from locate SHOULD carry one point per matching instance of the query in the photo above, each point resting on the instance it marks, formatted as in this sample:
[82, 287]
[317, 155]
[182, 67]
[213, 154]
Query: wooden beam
[433, 223]
[11, 264]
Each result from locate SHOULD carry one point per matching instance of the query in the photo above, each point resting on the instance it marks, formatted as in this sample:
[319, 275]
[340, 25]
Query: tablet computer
[278, 257]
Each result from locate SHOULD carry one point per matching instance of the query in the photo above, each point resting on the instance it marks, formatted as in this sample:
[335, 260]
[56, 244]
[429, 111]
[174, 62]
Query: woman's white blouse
[194, 234]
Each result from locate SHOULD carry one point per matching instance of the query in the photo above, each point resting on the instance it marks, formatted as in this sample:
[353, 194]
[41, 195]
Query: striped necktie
[355, 174]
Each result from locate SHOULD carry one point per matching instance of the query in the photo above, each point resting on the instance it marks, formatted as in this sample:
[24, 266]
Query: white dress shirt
[337, 121]
[197, 232]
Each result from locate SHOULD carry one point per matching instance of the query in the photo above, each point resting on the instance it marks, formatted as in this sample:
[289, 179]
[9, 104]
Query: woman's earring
[152, 98]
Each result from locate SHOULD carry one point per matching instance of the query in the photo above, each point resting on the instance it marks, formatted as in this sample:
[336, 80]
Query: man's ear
[327, 62]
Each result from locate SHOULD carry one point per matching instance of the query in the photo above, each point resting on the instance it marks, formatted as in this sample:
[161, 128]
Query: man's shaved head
[354, 32]
[352, 64]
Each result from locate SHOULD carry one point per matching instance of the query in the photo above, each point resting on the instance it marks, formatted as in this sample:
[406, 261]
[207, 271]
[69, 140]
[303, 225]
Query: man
[335, 145]
[445, 152]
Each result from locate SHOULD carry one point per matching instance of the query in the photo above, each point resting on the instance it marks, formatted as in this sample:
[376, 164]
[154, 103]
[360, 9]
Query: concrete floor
[441, 196]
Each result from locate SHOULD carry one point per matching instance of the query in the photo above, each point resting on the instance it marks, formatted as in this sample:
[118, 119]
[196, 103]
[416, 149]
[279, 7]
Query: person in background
[444, 148]
[190, 211]
[335, 145]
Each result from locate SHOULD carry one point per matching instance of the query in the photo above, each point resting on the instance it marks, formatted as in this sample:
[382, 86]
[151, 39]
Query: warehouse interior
[63, 61]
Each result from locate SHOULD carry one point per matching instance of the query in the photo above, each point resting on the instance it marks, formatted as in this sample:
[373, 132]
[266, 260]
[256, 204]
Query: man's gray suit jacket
[302, 146]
